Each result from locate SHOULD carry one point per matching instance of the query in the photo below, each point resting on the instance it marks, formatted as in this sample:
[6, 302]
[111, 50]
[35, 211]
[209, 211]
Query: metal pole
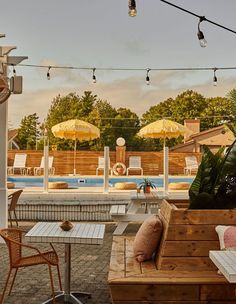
[166, 169]
[3, 155]
[45, 154]
[106, 170]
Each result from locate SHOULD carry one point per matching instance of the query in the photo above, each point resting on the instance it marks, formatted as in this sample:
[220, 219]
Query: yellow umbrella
[77, 130]
[164, 128]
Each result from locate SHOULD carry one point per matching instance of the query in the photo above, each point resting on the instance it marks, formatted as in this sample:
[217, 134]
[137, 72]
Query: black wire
[198, 16]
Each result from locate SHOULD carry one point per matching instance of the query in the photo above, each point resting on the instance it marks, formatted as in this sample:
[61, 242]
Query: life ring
[117, 166]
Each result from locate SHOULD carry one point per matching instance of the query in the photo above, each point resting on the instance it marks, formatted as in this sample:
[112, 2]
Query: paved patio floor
[90, 264]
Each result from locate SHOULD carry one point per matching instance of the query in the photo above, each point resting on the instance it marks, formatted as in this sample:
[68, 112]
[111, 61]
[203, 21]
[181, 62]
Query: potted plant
[147, 185]
[214, 186]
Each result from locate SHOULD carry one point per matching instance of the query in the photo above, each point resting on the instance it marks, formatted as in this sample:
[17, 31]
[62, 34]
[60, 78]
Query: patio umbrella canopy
[164, 128]
[75, 129]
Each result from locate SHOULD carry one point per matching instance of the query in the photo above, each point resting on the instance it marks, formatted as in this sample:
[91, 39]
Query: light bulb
[215, 81]
[147, 80]
[132, 12]
[132, 8]
[202, 40]
[94, 77]
[48, 73]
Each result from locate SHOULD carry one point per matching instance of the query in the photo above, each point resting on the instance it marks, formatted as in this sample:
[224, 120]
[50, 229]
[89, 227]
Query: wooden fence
[87, 161]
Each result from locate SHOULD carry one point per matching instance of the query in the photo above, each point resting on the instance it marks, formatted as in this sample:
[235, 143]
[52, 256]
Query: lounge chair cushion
[147, 238]
[126, 186]
[227, 237]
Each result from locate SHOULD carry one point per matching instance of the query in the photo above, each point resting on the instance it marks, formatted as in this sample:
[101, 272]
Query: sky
[100, 34]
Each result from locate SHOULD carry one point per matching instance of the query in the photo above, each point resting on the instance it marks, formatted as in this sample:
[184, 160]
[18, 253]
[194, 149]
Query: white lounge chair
[101, 163]
[51, 169]
[134, 164]
[191, 164]
[19, 164]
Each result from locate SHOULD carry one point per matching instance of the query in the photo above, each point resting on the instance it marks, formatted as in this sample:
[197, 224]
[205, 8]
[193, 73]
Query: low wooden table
[86, 233]
[131, 214]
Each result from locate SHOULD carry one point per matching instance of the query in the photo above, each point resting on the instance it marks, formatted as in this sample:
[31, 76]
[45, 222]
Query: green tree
[71, 106]
[29, 132]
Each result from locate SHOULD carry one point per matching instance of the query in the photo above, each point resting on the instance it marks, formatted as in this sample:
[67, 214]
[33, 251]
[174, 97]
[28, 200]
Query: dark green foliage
[208, 188]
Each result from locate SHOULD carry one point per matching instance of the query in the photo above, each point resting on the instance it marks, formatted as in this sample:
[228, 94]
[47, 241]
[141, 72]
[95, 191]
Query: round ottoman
[179, 186]
[126, 186]
[10, 185]
[57, 185]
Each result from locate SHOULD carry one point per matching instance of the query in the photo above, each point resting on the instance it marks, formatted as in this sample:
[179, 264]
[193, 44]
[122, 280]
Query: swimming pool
[75, 182]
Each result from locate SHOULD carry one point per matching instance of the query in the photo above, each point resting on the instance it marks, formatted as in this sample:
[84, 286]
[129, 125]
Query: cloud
[131, 92]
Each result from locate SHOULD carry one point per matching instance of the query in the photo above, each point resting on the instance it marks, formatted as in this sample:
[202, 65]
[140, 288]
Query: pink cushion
[227, 237]
[147, 238]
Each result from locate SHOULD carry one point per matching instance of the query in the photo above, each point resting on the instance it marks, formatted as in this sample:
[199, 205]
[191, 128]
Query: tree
[28, 133]
[71, 106]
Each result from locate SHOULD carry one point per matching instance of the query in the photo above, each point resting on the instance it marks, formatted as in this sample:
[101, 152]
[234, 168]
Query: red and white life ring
[116, 167]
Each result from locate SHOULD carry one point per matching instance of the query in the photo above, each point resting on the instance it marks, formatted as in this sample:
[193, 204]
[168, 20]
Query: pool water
[75, 182]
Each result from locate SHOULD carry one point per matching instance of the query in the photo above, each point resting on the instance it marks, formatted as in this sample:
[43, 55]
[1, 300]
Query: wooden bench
[182, 271]
[117, 210]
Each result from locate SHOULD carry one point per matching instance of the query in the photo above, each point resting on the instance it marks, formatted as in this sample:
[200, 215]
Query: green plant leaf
[207, 173]
[228, 164]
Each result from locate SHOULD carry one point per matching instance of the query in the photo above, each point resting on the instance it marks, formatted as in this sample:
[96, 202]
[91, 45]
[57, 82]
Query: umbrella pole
[74, 158]
[165, 166]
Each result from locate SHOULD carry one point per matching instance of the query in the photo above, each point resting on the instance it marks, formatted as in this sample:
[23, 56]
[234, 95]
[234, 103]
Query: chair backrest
[191, 161]
[50, 162]
[20, 160]
[13, 198]
[101, 162]
[15, 249]
[135, 161]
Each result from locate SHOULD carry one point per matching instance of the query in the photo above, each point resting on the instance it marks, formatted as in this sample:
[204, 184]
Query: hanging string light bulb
[48, 73]
[132, 8]
[147, 77]
[94, 77]
[215, 78]
[202, 40]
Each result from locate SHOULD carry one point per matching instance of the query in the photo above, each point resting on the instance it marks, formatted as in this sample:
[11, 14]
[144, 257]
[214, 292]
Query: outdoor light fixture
[13, 70]
[147, 77]
[132, 8]
[215, 78]
[94, 77]
[202, 40]
[48, 73]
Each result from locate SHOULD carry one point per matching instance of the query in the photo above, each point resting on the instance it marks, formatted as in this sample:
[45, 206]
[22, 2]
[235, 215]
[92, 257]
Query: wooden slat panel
[118, 244]
[153, 292]
[166, 302]
[132, 267]
[183, 263]
[87, 161]
[189, 248]
[217, 292]
[191, 232]
[148, 266]
[209, 217]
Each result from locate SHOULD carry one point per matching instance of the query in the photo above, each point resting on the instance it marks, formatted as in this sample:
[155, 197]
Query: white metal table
[131, 214]
[225, 261]
[81, 233]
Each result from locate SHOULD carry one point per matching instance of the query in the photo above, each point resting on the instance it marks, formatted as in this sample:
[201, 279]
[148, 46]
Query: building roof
[210, 137]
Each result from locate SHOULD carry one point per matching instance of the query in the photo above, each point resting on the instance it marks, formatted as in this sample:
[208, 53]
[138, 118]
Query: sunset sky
[100, 34]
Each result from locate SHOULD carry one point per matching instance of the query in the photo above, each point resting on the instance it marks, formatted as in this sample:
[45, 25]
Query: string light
[48, 73]
[202, 40]
[94, 77]
[215, 78]
[147, 77]
[201, 18]
[132, 8]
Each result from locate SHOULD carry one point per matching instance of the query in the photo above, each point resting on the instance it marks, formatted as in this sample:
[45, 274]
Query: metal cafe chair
[13, 199]
[13, 239]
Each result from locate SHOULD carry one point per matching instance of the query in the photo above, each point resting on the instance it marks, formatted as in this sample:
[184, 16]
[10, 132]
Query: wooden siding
[87, 161]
